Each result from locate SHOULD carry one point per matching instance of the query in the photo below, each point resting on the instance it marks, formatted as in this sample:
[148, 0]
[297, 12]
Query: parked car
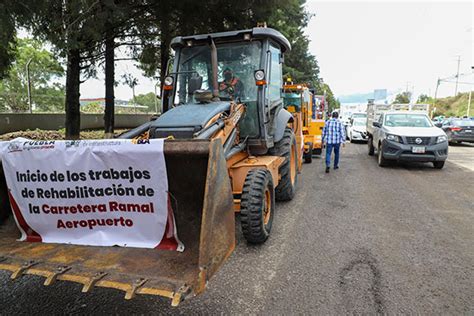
[406, 136]
[458, 130]
[348, 121]
[357, 130]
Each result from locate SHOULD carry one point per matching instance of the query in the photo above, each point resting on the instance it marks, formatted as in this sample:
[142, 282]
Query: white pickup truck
[404, 132]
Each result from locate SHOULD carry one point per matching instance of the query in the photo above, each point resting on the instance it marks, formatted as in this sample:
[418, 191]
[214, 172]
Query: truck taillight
[455, 129]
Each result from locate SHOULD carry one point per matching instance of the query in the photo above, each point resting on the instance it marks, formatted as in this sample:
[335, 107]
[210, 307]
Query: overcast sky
[362, 46]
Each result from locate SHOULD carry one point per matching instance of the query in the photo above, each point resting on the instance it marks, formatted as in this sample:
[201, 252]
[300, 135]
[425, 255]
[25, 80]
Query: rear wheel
[257, 206]
[286, 148]
[438, 164]
[308, 157]
[370, 144]
[380, 159]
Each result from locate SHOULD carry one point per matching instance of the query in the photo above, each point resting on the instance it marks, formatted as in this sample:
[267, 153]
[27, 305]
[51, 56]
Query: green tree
[147, 100]
[44, 69]
[74, 30]
[424, 98]
[290, 18]
[403, 97]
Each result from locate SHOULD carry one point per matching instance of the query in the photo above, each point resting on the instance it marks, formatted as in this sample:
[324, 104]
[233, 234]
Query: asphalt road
[362, 239]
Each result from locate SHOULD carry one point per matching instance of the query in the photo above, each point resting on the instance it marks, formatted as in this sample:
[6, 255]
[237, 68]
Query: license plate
[418, 150]
[467, 131]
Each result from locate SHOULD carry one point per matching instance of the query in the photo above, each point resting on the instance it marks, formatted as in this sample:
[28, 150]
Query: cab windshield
[359, 115]
[237, 63]
[407, 120]
[292, 99]
[360, 122]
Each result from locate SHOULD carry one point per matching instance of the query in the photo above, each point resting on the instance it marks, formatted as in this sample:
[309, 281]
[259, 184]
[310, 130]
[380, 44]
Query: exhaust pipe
[215, 88]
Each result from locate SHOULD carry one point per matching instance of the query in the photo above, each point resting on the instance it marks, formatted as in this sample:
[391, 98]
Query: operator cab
[247, 69]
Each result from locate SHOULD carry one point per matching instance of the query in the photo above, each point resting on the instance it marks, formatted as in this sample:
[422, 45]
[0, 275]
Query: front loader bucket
[202, 202]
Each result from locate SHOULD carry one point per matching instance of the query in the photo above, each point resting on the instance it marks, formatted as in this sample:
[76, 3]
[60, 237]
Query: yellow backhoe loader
[228, 149]
[301, 102]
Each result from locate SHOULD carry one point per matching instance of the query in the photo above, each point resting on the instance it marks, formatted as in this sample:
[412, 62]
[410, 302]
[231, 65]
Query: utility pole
[457, 76]
[29, 84]
[436, 94]
[469, 103]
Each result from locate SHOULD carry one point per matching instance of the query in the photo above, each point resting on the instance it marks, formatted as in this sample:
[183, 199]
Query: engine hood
[359, 129]
[415, 131]
[194, 115]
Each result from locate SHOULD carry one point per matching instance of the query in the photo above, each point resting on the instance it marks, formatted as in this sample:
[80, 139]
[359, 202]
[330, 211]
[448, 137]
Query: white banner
[96, 192]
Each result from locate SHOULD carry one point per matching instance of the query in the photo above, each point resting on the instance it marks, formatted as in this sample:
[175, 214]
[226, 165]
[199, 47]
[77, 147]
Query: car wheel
[380, 159]
[438, 164]
[370, 145]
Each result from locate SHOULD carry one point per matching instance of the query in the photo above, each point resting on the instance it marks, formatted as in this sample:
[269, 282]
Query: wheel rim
[267, 208]
[293, 165]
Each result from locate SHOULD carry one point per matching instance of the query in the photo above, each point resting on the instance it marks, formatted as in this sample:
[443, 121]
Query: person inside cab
[231, 86]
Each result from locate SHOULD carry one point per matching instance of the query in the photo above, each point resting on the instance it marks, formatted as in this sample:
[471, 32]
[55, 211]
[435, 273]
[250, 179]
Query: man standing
[333, 136]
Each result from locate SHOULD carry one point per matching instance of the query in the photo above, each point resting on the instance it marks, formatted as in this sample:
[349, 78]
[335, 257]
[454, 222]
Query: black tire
[317, 151]
[256, 216]
[438, 164]
[380, 159]
[285, 190]
[370, 144]
[5, 209]
[308, 157]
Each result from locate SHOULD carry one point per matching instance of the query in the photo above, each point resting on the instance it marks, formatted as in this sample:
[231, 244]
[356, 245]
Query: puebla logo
[14, 147]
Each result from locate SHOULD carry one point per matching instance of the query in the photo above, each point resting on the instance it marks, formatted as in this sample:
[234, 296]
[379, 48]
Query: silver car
[407, 136]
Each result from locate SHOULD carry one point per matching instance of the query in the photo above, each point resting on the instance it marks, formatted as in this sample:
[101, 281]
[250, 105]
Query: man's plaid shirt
[333, 132]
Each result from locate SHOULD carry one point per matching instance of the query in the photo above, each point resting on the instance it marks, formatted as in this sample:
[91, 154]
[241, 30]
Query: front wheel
[370, 144]
[438, 164]
[308, 157]
[257, 206]
[286, 147]
[5, 210]
[380, 159]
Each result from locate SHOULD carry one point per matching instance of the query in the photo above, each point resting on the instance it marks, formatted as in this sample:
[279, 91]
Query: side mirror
[439, 124]
[376, 124]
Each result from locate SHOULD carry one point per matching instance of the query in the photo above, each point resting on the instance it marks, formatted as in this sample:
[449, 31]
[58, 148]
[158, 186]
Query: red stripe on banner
[31, 235]
[169, 240]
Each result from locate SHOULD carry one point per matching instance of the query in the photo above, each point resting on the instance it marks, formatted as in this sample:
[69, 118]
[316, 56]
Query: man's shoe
[336, 167]
[327, 169]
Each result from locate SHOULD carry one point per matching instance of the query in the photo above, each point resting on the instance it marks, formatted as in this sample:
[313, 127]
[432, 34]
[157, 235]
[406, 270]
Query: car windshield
[407, 120]
[463, 123]
[359, 122]
[237, 63]
[359, 115]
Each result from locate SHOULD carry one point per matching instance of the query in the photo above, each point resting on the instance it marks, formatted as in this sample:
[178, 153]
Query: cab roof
[255, 33]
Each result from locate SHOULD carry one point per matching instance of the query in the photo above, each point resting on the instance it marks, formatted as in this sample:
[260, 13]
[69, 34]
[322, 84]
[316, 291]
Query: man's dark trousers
[329, 148]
